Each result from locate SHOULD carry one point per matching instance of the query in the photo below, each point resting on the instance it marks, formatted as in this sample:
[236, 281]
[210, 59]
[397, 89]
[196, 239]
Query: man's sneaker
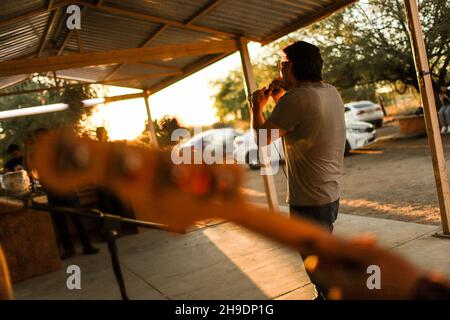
[448, 129]
[443, 129]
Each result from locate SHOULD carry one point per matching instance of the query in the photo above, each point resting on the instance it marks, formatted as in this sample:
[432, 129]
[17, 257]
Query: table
[412, 125]
[28, 240]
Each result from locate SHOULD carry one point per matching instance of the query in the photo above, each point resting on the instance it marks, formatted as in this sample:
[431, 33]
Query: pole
[150, 126]
[430, 113]
[269, 184]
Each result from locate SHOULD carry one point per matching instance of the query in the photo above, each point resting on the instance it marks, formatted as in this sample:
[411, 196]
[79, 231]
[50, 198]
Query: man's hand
[276, 90]
[259, 99]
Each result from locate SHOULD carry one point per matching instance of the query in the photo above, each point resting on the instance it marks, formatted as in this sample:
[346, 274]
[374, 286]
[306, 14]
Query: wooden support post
[269, 184]
[6, 292]
[429, 106]
[150, 126]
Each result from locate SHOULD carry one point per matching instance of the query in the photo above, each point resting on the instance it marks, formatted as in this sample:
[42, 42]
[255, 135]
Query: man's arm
[258, 121]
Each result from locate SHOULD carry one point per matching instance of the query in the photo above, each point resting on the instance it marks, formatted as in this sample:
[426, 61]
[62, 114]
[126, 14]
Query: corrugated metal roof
[10, 9]
[178, 10]
[22, 38]
[119, 24]
[102, 32]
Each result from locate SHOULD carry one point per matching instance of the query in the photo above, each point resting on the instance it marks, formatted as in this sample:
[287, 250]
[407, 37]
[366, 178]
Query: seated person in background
[15, 162]
[444, 111]
[101, 134]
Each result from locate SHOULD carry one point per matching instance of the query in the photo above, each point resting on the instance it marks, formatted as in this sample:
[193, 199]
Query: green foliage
[163, 129]
[368, 44]
[18, 130]
[364, 45]
[231, 99]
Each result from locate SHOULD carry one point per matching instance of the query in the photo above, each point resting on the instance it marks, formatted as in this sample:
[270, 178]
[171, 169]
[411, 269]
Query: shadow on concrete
[220, 261]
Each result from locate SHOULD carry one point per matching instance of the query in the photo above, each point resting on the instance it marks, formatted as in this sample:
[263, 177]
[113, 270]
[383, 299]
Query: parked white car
[358, 135]
[245, 150]
[215, 139]
[364, 111]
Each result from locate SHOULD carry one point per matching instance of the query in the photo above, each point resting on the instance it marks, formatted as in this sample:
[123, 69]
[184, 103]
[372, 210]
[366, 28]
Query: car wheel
[252, 163]
[347, 148]
[379, 123]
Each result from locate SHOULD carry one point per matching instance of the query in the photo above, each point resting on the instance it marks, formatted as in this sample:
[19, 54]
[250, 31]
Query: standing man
[309, 114]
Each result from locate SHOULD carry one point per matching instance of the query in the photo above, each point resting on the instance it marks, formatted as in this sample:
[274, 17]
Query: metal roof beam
[50, 4]
[187, 71]
[56, 88]
[210, 6]
[154, 35]
[32, 14]
[305, 21]
[143, 16]
[69, 34]
[141, 77]
[48, 30]
[13, 67]
[79, 42]
[146, 43]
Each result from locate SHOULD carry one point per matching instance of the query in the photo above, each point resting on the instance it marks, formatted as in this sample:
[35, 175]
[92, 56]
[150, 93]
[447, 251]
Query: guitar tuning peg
[132, 162]
[82, 155]
[126, 163]
[224, 181]
[72, 156]
[192, 180]
[179, 175]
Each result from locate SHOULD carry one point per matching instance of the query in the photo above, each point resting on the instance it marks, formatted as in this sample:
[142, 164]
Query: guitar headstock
[159, 190]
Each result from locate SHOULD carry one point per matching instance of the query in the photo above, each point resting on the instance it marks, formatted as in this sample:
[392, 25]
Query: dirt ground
[392, 178]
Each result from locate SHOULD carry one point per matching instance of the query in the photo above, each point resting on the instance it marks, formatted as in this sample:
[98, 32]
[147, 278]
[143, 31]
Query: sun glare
[189, 100]
[124, 120]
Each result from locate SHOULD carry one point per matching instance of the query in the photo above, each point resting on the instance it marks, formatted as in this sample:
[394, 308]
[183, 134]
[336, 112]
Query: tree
[364, 45]
[230, 99]
[18, 130]
[163, 129]
[368, 44]
[166, 126]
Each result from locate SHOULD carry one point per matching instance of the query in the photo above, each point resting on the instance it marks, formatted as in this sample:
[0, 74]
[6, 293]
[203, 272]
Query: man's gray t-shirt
[313, 115]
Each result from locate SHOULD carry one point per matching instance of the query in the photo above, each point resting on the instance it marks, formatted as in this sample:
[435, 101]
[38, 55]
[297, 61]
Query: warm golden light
[189, 100]
[124, 120]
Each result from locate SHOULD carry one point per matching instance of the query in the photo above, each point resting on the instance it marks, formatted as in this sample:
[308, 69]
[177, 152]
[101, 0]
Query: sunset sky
[190, 100]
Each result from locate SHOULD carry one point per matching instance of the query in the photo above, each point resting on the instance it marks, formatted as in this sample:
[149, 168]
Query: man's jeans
[444, 115]
[324, 215]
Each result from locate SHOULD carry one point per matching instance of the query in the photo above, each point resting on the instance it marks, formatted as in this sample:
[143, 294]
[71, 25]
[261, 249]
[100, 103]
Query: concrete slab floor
[221, 260]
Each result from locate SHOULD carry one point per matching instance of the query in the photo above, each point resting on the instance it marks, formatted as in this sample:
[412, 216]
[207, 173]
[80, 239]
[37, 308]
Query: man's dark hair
[306, 61]
[12, 148]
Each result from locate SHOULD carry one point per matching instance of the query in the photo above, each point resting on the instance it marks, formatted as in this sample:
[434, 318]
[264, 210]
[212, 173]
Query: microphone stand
[110, 231]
